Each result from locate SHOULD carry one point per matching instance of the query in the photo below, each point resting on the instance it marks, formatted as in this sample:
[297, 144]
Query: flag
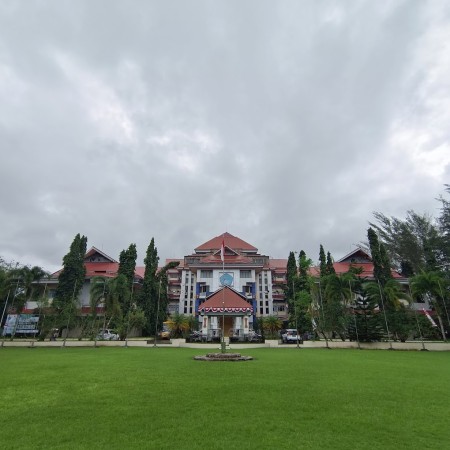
[222, 251]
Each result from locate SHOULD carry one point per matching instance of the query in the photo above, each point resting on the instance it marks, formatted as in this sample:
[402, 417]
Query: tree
[381, 264]
[302, 317]
[71, 278]
[444, 227]
[388, 295]
[329, 266]
[367, 324]
[304, 266]
[179, 325]
[271, 325]
[127, 264]
[413, 243]
[163, 299]
[433, 285]
[125, 277]
[151, 289]
[337, 296]
[104, 291]
[322, 261]
[291, 278]
[401, 323]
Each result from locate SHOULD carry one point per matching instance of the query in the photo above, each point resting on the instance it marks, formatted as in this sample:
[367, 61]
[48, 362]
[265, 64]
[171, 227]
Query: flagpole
[222, 255]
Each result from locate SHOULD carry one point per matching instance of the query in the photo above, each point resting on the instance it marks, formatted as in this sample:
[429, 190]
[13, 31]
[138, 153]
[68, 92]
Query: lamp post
[295, 312]
[157, 313]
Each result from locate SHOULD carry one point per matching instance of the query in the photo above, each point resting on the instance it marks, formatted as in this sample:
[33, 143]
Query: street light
[157, 313]
[295, 312]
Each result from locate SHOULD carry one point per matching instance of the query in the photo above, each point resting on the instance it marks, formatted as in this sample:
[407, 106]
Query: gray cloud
[285, 123]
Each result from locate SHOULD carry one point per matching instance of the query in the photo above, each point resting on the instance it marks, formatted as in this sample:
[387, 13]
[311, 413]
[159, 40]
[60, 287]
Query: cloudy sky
[285, 123]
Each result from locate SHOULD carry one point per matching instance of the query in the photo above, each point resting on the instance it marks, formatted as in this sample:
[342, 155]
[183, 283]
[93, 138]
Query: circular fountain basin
[223, 357]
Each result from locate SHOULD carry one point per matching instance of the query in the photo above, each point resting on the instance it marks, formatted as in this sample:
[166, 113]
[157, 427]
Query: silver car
[107, 335]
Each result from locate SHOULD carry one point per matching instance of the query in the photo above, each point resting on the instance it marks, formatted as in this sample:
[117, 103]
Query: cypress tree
[71, 278]
[148, 296]
[127, 264]
[291, 273]
[304, 264]
[329, 265]
[381, 264]
[323, 262]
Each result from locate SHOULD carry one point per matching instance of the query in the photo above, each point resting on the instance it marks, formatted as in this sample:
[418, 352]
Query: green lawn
[145, 398]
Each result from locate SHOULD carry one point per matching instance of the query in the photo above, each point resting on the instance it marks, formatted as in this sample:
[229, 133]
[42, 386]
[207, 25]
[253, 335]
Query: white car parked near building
[291, 335]
[107, 335]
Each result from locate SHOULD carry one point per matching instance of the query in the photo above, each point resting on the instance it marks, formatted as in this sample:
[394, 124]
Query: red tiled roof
[230, 241]
[343, 267]
[278, 264]
[226, 298]
[103, 269]
[229, 259]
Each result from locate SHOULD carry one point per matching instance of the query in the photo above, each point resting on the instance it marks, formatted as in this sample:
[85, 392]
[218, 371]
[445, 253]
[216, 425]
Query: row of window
[209, 273]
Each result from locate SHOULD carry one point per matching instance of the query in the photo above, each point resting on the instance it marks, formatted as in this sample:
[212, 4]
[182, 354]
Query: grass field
[154, 398]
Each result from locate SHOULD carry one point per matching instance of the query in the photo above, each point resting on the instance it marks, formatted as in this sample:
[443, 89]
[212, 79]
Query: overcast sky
[285, 123]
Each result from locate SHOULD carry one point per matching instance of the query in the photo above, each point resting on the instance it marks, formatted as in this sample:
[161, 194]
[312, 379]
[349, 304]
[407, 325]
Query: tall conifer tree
[150, 292]
[71, 278]
[323, 262]
[381, 264]
[329, 265]
[127, 264]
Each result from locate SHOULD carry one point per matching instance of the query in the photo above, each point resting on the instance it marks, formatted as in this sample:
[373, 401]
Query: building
[225, 283]
[227, 280]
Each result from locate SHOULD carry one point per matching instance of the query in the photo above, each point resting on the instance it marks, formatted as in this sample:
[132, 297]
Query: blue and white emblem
[226, 279]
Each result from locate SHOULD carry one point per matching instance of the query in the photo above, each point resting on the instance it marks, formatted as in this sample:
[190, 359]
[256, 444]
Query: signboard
[22, 324]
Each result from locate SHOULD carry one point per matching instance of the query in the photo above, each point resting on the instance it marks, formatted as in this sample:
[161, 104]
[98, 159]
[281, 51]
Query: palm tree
[338, 294]
[106, 291]
[390, 294]
[432, 285]
[272, 324]
[179, 324]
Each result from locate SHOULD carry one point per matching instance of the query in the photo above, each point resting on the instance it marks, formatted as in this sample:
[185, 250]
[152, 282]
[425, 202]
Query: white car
[291, 335]
[107, 335]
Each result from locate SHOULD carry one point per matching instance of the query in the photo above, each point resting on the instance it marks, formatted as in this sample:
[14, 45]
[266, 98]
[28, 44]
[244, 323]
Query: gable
[226, 299]
[94, 255]
[356, 256]
[230, 241]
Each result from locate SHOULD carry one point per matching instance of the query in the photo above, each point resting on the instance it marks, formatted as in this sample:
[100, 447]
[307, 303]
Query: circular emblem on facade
[226, 279]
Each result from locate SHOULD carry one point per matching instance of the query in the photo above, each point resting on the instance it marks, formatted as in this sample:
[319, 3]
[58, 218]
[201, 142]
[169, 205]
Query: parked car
[107, 335]
[290, 335]
[165, 332]
[253, 336]
[195, 336]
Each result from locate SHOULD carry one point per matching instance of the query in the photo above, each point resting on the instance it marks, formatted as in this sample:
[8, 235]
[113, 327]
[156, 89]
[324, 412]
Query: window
[246, 273]
[206, 273]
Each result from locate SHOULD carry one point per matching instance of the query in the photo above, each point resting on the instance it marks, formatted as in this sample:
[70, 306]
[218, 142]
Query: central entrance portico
[225, 309]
